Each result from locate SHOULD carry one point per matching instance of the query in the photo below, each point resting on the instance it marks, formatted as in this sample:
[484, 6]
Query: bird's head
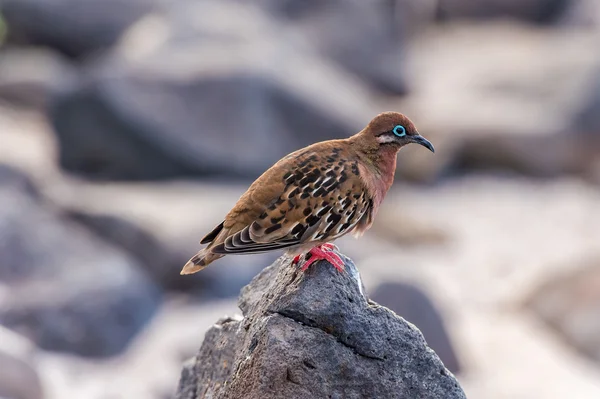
[391, 131]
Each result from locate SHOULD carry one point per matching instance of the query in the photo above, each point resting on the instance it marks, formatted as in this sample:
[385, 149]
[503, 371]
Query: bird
[313, 196]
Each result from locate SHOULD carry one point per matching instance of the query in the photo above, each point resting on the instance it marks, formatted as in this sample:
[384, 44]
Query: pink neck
[386, 165]
[380, 176]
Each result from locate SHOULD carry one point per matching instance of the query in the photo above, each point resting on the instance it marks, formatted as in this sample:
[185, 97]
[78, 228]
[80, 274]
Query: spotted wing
[320, 197]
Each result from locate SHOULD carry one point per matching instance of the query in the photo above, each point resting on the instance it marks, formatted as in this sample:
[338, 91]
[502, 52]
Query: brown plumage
[313, 195]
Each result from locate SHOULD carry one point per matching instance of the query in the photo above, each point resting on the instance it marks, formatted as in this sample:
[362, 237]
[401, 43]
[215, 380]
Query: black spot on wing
[273, 228]
[329, 181]
[324, 211]
[309, 178]
[333, 218]
[352, 214]
[343, 176]
[298, 230]
[288, 178]
[321, 192]
[294, 192]
[355, 168]
[346, 203]
[312, 220]
[277, 220]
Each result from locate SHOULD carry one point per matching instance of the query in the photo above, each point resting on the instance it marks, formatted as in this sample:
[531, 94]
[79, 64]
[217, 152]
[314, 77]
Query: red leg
[329, 246]
[324, 252]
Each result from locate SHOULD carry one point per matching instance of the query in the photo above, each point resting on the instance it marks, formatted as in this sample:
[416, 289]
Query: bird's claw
[330, 247]
[322, 252]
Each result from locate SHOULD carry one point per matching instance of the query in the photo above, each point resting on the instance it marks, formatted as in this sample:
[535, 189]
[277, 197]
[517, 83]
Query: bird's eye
[399, 131]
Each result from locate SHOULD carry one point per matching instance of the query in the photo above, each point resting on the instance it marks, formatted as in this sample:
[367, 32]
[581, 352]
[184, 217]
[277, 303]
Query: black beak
[422, 141]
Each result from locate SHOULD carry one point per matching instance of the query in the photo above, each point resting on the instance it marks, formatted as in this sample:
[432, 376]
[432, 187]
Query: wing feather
[315, 195]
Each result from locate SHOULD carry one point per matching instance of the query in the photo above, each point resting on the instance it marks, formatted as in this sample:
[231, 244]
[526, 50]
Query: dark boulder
[365, 39]
[415, 306]
[62, 286]
[537, 11]
[226, 99]
[118, 128]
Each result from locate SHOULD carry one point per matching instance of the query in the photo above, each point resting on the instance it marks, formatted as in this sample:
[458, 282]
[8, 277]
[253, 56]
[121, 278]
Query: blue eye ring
[399, 131]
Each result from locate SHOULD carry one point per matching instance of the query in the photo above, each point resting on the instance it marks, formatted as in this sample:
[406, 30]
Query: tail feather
[199, 262]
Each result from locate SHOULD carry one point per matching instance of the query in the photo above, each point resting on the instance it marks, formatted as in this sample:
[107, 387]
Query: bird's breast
[377, 181]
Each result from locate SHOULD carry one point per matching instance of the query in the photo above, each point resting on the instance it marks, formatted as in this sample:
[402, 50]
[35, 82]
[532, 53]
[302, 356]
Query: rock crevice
[341, 340]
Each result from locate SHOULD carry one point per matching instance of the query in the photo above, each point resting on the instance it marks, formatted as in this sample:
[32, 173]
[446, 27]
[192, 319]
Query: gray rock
[28, 76]
[564, 153]
[73, 27]
[416, 307]
[162, 260]
[315, 335]
[156, 258]
[234, 113]
[124, 139]
[581, 13]
[63, 287]
[188, 381]
[372, 50]
[540, 11]
[531, 128]
[587, 119]
[162, 239]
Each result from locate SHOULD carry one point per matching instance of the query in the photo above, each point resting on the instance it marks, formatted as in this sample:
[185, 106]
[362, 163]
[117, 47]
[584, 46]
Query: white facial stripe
[384, 138]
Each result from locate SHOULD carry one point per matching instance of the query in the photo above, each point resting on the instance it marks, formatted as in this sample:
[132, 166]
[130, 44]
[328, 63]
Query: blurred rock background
[129, 127]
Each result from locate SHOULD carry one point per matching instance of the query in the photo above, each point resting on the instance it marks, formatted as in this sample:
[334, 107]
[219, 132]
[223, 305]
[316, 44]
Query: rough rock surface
[60, 285]
[314, 335]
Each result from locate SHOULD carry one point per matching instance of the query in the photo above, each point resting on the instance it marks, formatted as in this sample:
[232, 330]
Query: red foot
[296, 259]
[321, 252]
[329, 246]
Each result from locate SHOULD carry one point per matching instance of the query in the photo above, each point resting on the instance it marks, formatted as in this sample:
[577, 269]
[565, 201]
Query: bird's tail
[199, 261]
